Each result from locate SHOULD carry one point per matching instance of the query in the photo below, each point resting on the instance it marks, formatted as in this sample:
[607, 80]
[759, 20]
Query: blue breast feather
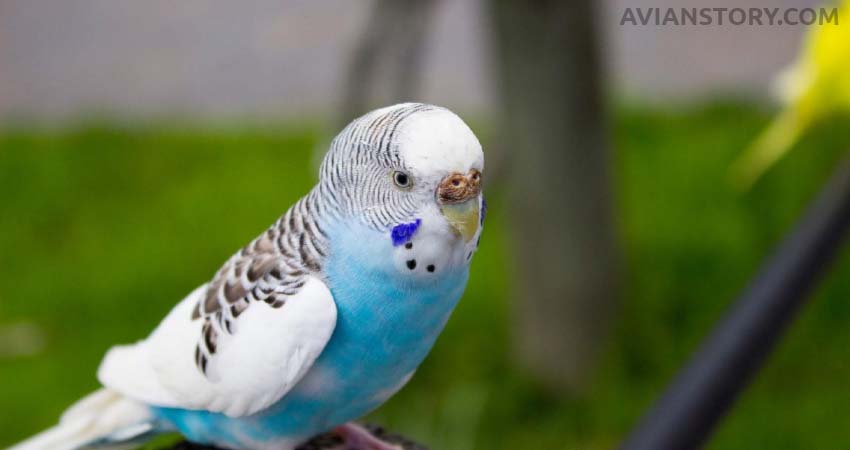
[387, 322]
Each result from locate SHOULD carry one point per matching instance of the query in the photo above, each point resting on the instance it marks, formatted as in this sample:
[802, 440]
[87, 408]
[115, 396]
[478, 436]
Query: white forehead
[437, 141]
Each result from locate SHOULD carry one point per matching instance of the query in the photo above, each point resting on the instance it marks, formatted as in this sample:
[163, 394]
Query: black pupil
[401, 179]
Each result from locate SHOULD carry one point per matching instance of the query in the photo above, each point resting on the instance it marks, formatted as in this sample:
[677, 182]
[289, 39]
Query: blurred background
[131, 136]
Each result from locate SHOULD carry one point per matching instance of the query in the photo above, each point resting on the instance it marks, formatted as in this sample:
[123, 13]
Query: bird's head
[397, 165]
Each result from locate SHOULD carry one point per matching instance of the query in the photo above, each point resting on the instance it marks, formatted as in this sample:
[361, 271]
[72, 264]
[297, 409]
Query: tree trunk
[560, 202]
[385, 62]
[393, 39]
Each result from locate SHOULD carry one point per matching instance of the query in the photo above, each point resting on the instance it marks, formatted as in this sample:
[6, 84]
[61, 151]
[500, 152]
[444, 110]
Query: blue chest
[388, 318]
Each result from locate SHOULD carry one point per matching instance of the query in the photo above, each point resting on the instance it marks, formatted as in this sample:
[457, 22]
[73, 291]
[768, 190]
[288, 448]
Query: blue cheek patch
[483, 210]
[404, 232]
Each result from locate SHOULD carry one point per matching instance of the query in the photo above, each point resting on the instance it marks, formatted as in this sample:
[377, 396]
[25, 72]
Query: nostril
[456, 188]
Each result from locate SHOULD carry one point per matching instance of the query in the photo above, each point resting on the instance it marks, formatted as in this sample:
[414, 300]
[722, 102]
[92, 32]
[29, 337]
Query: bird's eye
[402, 179]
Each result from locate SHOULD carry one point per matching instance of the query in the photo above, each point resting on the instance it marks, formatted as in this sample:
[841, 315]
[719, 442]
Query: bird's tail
[103, 419]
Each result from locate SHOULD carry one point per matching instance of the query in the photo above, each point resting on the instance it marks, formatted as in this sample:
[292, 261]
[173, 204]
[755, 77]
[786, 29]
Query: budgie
[812, 88]
[321, 318]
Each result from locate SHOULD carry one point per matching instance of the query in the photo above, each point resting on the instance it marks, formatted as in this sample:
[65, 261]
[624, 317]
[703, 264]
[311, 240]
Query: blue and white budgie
[321, 318]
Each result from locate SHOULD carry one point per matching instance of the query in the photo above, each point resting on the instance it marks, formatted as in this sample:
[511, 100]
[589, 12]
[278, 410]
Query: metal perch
[707, 387]
[329, 441]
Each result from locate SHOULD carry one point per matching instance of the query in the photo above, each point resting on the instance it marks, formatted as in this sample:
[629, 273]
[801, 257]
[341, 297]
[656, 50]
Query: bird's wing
[235, 345]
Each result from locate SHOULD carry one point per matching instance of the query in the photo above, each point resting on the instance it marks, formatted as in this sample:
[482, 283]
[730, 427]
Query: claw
[358, 438]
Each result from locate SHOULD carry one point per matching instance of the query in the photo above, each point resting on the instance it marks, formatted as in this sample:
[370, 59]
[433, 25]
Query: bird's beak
[458, 195]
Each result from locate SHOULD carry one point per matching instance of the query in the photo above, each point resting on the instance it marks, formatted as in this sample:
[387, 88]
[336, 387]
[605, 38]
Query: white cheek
[435, 249]
[426, 255]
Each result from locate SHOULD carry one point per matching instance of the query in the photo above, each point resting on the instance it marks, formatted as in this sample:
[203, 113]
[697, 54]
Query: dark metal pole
[703, 392]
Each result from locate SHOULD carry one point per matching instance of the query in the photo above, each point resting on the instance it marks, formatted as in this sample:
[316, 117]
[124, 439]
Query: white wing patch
[252, 369]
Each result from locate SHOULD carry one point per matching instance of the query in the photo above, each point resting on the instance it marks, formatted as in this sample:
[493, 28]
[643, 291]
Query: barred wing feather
[250, 368]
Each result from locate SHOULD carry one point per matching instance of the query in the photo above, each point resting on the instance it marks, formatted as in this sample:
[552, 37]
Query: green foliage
[102, 230]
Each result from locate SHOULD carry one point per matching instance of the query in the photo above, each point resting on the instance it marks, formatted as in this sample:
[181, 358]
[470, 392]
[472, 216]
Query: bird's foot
[356, 437]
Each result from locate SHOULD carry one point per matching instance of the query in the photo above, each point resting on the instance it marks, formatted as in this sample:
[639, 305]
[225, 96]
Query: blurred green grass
[103, 229]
